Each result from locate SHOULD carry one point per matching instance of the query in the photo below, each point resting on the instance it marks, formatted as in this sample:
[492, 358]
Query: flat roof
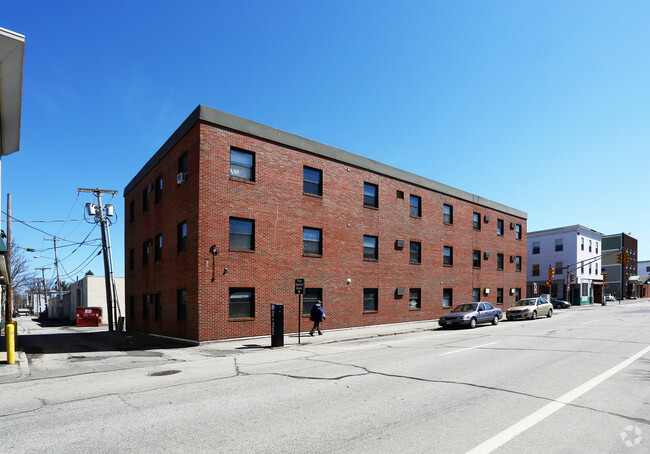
[569, 228]
[242, 125]
[12, 51]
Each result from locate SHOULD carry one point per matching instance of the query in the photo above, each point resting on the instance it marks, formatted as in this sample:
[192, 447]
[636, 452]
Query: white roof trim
[12, 52]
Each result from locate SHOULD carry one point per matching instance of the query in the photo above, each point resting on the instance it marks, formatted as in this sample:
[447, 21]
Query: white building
[574, 253]
[37, 300]
[87, 292]
[643, 271]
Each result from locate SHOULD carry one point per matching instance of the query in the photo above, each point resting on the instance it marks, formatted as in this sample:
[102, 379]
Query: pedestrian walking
[317, 315]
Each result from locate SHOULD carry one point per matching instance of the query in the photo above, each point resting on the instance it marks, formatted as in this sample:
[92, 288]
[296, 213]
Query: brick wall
[276, 202]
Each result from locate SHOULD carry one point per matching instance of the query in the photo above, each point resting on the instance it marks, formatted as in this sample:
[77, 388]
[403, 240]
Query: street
[576, 382]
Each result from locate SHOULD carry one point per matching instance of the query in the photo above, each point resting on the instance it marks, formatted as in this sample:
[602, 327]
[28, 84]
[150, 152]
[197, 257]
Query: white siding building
[643, 271]
[87, 292]
[573, 252]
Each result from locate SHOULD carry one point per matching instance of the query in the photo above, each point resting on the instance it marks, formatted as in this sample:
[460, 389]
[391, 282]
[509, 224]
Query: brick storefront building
[229, 212]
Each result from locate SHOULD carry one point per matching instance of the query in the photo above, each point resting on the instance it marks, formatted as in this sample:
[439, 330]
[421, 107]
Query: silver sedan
[471, 314]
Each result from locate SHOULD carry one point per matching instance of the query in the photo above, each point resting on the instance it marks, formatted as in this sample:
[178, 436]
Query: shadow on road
[94, 341]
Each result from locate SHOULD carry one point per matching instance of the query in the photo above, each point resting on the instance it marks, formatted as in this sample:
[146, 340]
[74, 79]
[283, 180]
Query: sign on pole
[300, 286]
[299, 289]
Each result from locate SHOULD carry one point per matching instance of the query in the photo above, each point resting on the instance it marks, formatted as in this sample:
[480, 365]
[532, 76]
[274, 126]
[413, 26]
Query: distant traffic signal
[551, 273]
[619, 257]
[571, 277]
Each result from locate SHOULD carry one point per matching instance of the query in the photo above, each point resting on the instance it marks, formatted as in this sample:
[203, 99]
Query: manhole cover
[164, 372]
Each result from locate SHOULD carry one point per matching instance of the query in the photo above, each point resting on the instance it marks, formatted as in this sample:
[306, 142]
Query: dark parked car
[560, 304]
[471, 314]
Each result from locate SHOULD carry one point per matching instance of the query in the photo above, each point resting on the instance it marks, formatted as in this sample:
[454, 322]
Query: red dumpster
[89, 316]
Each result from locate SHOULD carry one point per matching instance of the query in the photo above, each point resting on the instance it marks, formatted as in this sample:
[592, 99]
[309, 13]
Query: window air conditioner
[181, 178]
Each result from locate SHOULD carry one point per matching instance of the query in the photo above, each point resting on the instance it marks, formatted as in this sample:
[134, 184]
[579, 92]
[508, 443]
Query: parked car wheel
[495, 320]
[534, 315]
[550, 313]
[472, 323]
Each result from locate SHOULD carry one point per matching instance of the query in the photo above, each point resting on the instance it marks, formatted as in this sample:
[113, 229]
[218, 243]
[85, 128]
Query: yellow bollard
[11, 347]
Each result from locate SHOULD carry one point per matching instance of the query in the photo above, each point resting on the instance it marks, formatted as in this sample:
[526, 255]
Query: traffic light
[551, 273]
[619, 257]
[571, 277]
[604, 276]
[626, 257]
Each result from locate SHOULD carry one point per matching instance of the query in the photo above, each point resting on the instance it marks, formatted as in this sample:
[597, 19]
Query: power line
[73, 243]
[86, 261]
[82, 243]
[74, 204]
[27, 225]
[57, 220]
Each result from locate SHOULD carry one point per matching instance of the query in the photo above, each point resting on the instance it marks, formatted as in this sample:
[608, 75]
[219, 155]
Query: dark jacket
[317, 314]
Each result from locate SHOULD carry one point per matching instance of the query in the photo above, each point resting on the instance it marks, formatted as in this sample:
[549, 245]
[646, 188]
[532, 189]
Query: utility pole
[98, 212]
[58, 277]
[9, 308]
[44, 284]
[116, 305]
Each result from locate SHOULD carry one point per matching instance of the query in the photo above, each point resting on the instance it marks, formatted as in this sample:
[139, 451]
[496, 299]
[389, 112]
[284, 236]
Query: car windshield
[466, 308]
[529, 302]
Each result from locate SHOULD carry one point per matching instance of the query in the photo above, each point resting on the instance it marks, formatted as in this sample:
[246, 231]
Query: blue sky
[542, 106]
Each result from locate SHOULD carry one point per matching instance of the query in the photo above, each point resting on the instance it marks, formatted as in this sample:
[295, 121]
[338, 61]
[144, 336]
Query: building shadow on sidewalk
[103, 341]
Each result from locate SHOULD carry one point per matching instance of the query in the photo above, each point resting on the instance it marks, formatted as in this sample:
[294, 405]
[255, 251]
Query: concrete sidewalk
[12, 372]
[329, 336]
[367, 332]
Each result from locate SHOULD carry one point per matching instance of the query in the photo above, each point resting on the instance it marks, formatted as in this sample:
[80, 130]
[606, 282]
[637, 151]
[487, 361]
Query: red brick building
[229, 212]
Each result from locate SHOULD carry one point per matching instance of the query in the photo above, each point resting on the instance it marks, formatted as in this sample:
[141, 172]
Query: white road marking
[547, 410]
[468, 348]
[591, 321]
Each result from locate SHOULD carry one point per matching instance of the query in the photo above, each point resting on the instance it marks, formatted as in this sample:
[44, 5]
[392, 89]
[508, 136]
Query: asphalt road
[576, 382]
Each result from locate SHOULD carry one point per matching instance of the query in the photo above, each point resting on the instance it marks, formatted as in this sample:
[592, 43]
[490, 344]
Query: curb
[13, 371]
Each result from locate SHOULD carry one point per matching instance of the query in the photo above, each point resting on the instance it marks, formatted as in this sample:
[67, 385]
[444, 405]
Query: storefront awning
[634, 279]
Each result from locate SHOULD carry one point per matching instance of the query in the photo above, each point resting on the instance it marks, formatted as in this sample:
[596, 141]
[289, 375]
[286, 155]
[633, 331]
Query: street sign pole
[299, 315]
[299, 289]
